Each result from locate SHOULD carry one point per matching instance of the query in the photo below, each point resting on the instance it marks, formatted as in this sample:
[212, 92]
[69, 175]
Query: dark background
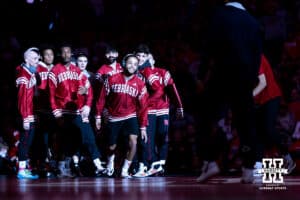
[174, 30]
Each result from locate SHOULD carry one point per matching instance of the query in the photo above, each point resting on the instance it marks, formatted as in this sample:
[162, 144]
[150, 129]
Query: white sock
[126, 164]
[97, 163]
[162, 162]
[75, 160]
[141, 165]
[111, 158]
[22, 165]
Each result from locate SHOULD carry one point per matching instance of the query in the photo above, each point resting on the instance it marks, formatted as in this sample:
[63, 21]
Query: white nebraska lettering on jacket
[44, 75]
[67, 76]
[123, 88]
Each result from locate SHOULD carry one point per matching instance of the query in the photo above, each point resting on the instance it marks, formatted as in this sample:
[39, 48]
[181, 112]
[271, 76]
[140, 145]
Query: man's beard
[66, 61]
[111, 59]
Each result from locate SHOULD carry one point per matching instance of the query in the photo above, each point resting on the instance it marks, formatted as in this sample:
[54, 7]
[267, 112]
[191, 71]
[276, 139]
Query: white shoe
[257, 169]
[142, 172]
[100, 171]
[110, 170]
[110, 165]
[156, 168]
[257, 173]
[125, 174]
[209, 171]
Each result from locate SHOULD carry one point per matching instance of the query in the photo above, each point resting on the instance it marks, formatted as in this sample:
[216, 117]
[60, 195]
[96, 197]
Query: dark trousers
[216, 101]
[70, 142]
[26, 139]
[156, 147]
[44, 136]
[267, 135]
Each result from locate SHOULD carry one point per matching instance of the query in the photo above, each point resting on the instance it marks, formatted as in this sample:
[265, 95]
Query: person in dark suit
[234, 48]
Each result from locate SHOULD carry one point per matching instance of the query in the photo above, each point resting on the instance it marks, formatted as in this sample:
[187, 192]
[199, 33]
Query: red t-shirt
[272, 90]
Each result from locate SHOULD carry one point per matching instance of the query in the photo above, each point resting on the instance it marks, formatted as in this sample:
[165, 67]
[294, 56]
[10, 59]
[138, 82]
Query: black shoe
[100, 173]
[77, 171]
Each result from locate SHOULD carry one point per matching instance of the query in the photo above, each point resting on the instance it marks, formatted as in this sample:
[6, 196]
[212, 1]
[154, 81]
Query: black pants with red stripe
[156, 147]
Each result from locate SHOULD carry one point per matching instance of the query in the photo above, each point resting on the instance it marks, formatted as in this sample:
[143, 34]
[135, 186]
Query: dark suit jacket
[235, 46]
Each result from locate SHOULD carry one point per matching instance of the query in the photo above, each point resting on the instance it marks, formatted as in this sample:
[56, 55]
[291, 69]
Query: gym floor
[167, 187]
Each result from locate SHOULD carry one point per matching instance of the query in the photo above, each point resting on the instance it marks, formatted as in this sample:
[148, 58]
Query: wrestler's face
[32, 59]
[48, 56]
[142, 58]
[131, 65]
[82, 62]
[66, 54]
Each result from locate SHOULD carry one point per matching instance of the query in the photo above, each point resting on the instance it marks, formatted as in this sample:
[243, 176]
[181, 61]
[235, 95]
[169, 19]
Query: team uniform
[64, 83]
[106, 70]
[126, 103]
[103, 73]
[124, 100]
[161, 88]
[43, 103]
[26, 85]
[43, 111]
[85, 99]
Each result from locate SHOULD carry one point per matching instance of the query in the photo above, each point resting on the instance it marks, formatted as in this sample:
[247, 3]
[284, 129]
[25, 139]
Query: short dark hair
[110, 48]
[81, 54]
[126, 57]
[46, 46]
[66, 44]
[142, 48]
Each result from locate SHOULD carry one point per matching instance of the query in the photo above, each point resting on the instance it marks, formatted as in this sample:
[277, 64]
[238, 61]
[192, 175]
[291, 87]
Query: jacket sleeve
[142, 109]
[52, 82]
[172, 90]
[89, 96]
[25, 99]
[100, 76]
[155, 89]
[89, 99]
[100, 103]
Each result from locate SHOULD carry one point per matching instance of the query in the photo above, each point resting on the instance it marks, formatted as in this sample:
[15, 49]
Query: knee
[133, 142]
